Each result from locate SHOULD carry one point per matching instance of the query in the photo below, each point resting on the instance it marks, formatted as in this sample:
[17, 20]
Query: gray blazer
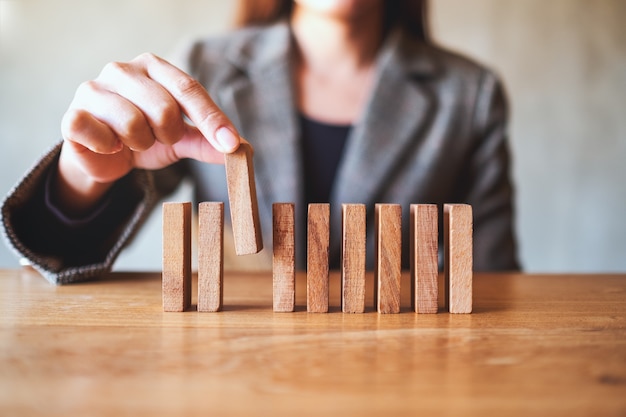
[434, 131]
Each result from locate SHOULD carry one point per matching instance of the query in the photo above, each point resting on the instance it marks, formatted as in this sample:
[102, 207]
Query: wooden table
[535, 345]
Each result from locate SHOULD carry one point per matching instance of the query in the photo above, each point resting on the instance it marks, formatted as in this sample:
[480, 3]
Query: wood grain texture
[458, 258]
[550, 344]
[242, 199]
[424, 258]
[176, 277]
[284, 257]
[353, 258]
[388, 257]
[210, 256]
[318, 244]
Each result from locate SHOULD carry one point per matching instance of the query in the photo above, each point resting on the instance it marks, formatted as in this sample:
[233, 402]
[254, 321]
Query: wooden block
[244, 210]
[388, 253]
[317, 267]
[424, 258]
[458, 265]
[284, 259]
[210, 256]
[176, 280]
[353, 258]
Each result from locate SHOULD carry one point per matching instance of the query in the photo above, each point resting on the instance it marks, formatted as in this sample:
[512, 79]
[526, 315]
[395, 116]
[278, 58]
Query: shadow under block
[388, 257]
[317, 267]
[424, 258]
[244, 210]
[353, 258]
[176, 278]
[458, 231]
[210, 256]
[284, 258]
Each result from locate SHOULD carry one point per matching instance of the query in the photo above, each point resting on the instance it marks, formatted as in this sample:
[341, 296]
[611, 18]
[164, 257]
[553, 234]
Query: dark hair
[410, 14]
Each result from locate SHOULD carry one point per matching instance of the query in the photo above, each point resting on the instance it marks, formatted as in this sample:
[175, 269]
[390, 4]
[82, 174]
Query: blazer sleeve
[486, 183]
[66, 251]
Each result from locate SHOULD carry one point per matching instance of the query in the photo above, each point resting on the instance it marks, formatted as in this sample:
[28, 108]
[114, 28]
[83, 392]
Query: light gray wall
[563, 61]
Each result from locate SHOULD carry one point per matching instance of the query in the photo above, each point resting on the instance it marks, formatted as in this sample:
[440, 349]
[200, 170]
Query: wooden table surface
[535, 345]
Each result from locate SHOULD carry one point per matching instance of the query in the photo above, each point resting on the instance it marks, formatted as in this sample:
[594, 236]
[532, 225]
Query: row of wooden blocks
[388, 237]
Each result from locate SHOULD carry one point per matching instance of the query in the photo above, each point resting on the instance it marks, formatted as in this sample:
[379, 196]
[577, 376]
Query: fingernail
[227, 139]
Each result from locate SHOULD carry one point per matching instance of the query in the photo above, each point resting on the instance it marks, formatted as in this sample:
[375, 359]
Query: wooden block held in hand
[388, 252]
[244, 210]
[353, 258]
[458, 231]
[176, 279]
[424, 258]
[210, 256]
[284, 259]
[317, 269]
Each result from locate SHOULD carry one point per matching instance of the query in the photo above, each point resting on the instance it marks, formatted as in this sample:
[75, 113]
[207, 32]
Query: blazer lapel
[261, 101]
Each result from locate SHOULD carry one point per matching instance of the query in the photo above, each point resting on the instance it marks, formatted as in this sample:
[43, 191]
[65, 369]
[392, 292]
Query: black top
[322, 148]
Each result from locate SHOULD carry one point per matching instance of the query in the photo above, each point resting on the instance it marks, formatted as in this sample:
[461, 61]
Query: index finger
[195, 102]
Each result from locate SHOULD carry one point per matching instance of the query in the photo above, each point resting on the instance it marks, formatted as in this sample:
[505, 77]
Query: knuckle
[132, 125]
[147, 58]
[77, 127]
[73, 122]
[116, 69]
[213, 117]
[87, 88]
[169, 124]
[164, 114]
[185, 86]
[136, 131]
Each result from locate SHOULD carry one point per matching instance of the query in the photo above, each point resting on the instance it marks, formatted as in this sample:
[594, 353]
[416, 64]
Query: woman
[344, 101]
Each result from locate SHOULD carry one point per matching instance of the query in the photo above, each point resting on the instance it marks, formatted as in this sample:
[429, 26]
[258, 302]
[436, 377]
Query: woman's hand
[132, 116]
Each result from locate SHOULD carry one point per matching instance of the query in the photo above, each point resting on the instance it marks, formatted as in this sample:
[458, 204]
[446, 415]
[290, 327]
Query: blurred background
[563, 62]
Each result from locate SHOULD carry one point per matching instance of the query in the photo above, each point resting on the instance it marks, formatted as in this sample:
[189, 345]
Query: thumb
[192, 145]
[195, 146]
